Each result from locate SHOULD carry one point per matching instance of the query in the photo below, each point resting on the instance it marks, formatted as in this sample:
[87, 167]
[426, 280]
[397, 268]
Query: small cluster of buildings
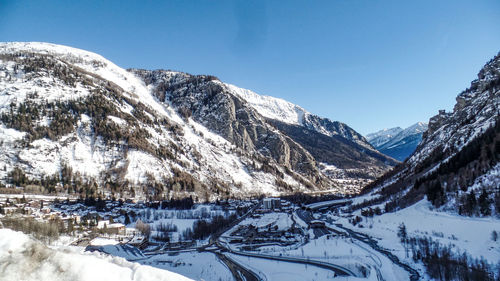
[40, 210]
[273, 204]
[114, 228]
[35, 208]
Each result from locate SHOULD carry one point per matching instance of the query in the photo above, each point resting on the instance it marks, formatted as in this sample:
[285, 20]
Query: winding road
[414, 275]
[241, 273]
[339, 270]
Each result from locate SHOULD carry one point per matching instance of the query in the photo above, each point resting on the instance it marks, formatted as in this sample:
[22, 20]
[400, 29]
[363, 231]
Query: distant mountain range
[396, 142]
[73, 122]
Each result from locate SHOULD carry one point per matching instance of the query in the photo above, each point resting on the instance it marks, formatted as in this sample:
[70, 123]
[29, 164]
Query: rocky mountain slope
[286, 112]
[396, 142]
[337, 150]
[377, 139]
[456, 164]
[72, 121]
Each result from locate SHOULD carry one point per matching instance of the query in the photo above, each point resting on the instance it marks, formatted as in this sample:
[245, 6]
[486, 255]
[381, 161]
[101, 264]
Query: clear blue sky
[370, 64]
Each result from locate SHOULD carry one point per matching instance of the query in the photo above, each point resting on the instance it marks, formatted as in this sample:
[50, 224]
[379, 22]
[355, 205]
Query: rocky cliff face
[209, 101]
[456, 152]
[283, 111]
[291, 141]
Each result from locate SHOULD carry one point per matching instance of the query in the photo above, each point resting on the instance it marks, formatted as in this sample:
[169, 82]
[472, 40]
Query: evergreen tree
[497, 202]
[403, 235]
[471, 204]
[484, 203]
[127, 219]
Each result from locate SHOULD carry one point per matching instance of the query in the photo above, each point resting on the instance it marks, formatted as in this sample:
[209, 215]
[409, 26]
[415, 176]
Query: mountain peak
[271, 107]
[283, 111]
[396, 142]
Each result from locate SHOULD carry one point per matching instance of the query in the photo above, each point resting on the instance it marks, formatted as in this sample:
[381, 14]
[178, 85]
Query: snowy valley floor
[461, 234]
[273, 245]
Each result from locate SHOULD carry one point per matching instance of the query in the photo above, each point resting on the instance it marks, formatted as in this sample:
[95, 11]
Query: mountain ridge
[287, 112]
[397, 142]
[74, 122]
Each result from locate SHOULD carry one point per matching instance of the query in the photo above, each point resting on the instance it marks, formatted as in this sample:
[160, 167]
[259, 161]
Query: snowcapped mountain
[74, 122]
[377, 139]
[396, 142]
[286, 112]
[456, 164]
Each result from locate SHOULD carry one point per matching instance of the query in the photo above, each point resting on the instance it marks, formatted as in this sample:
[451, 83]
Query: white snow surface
[281, 271]
[271, 107]
[201, 266]
[470, 234]
[22, 258]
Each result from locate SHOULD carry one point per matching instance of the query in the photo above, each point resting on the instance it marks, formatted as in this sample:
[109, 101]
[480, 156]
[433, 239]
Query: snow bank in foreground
[24, 259]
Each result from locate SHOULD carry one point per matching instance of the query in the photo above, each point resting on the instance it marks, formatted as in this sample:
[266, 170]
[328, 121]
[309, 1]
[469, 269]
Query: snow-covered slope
[22, 258]
[219, 107]
[458, 149]
[271, 107]
[64, 109]
[396, 142]
[287, 112]
[383, 136]
[73, 122]
[416, 129]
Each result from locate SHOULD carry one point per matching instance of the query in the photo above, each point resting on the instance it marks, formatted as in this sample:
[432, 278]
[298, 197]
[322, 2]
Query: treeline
[451, 180]
[454, 176]
[46, 231]
[179, 204]
[442, 263]
[204, 228]
[164, 232]
[64, 181]
[182, 185]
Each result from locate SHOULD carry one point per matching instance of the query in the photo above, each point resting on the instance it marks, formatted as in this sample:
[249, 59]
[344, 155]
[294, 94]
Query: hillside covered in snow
[396, 142]
[455, 166]
[73, 122]
[286, 112]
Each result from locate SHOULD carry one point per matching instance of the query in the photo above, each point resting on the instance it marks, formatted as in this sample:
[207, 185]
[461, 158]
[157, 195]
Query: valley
[267, 239]
[148, 172]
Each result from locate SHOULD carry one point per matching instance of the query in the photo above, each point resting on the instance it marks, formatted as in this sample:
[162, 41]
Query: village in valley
[170, 234]
[258, 238]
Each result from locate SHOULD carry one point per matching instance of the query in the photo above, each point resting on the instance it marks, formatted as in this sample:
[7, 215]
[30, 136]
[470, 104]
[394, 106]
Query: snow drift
[22, 258]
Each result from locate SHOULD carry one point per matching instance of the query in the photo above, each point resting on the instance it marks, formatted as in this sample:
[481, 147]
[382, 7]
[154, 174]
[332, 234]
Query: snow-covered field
[281, 220]
[345, 252]
[283, 271]
[463, 234]
[22, 258]
[198, 266]
[181, 219]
